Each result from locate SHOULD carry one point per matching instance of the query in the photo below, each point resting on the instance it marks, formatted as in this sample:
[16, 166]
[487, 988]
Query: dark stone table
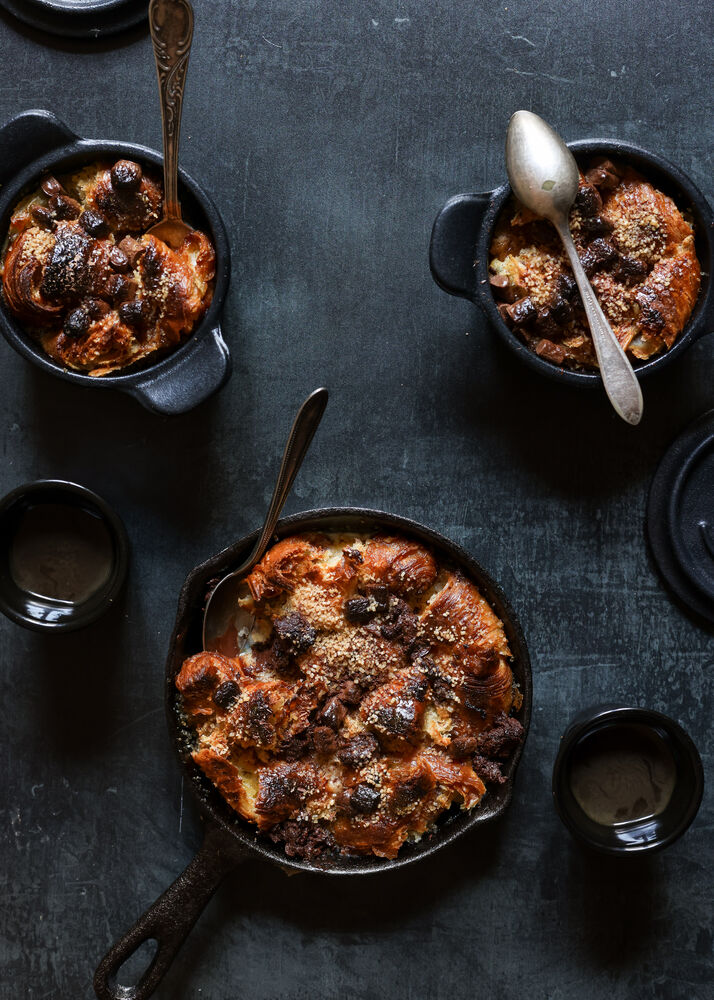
[331, 134]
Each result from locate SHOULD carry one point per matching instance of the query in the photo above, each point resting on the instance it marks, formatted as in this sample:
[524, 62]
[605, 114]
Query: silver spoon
[225, 625]
[171, 24]
[544, 177]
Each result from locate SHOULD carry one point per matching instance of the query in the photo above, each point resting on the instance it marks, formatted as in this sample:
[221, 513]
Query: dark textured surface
[331, 134]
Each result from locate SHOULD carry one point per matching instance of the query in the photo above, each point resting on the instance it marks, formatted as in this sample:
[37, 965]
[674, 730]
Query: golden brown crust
[97, 294]
[374, 692]
[638, 250]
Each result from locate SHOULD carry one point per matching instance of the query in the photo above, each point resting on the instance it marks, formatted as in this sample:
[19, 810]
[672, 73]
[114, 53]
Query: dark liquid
[622, 773]
[61, 552]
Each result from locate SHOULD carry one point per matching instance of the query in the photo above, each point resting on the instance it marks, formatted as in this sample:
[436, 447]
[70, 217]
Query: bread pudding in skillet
[82, 275]
[373, 693]
[637, 249]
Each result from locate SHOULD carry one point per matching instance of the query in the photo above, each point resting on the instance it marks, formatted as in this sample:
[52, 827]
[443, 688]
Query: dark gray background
[330, 134]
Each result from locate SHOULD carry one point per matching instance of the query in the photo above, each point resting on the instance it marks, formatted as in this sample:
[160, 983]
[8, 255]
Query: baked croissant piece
[374, 692]
[84, 278]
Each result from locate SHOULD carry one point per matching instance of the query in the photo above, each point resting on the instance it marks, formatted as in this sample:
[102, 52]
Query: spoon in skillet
[226, 625]
[171, 23]
[544, 177]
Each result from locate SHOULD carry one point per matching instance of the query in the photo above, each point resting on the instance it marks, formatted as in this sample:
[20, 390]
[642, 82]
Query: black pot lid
[78, 18]
[680, 517]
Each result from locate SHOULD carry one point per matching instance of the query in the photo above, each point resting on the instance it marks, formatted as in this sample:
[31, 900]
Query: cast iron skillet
[228, 839]
[78, 18]
[460, 240]
[36, 142]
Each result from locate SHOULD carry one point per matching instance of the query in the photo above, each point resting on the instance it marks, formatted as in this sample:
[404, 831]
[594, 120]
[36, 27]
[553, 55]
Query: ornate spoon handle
[171, 23]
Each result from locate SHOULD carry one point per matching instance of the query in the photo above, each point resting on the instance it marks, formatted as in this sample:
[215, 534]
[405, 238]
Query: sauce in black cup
[63, 556]
[627, 780]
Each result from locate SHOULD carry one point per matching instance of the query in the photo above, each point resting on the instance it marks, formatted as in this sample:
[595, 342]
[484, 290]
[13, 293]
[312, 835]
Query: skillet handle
[204, 367]
[452, 250]
[169, 920]
[28, 136]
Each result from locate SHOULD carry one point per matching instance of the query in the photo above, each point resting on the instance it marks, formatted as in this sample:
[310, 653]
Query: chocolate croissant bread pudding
[637, 249]
[373, 692]
[82, 275]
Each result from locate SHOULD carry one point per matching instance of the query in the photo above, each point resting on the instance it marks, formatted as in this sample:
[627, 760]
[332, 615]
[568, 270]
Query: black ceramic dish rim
[191, 601]
[99, 605]
[598, 717]
[687, 196]
[74, 154]
[88, 19]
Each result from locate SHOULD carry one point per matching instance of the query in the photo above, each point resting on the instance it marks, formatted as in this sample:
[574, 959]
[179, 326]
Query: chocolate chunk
[359, 751]
[488, 770]
[561, 311]
[567, 286]
[77, 323]
[596, 226]
[119, 260]
[631, 269]
[364, 799]
[396, 720]
[333, 713]
[550, 351]
[258, 717]
[588, 200]
[324, 740]
[225, 694]
[598, 256]
[408, 793]
[521, 312]
[126, 175]
[93, 223]
[547, 324]
[295, 632]
[51, 186]
[302, 839]
[349, 694]
[132, 248]
[43, 217]
[463, 746]
[498, 282]
[120, 288]
[65, 208]
[96, 307]
[603, 175]
[151, 266]
[502, 739]
[132, 313]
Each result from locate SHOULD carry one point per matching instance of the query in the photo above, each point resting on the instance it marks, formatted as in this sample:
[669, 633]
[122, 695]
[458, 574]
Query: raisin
[120, 288]
[364, 799]
[93, 223]
[599, 255]
[51, 186]
[596, 226]
[566, 286]
[64, 207]
[96, 308]
[132, 313]
[295, 632]
[42, 216]
[358, 751]
[333, 713]
[360, 610]
[126, 175]
[225, 694]
[588, 200]
[77, 323]
[324, 740]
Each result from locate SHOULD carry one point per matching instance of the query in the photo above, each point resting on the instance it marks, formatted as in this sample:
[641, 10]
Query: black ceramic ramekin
[35, 143]
[44, 614]
[460, 241]
[638, 836]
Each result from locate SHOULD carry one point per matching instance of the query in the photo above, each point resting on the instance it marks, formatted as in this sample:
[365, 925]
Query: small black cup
[636, 836]
[43, 613]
